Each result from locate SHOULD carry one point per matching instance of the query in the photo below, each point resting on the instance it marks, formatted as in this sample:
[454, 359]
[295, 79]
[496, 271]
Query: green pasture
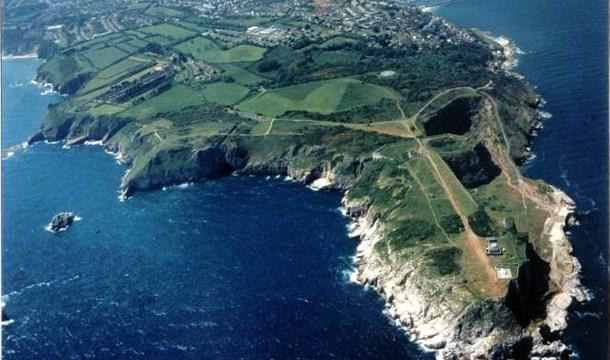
[174, 99]
[224, 93]
[207, 50]
[324, 97]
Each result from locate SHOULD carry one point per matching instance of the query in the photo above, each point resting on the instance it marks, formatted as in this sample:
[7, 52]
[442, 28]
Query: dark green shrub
[480, 223]
[445, 261]
[411, 232]
[452, 224]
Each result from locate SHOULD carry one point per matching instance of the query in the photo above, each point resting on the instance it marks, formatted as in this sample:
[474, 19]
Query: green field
[461, 195]
[161, 40]
[338, 41]
[324, 97]
[168, 30]
[61, 69]
[224, 93]
[136, 34]
[101, 58]
[106, 109]
[138, 43]
[206, 50]
[111, 73]
[126, 47]
[339, 57]
[245, 21]
[97, 41]
[240, 75]
[163, 11]
[118, 68]
[193, 26]
[174, 99]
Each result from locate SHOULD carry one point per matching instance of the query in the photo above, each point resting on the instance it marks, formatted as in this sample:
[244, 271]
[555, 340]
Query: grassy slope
[240, 75]
[206, 50]
[322, 97]
[174, 99]
[224, 93]
[103, 57]
[169, 30]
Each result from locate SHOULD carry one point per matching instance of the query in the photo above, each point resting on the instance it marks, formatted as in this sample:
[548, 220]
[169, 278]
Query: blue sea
[565, 56]
[248, 268]
[257, 268]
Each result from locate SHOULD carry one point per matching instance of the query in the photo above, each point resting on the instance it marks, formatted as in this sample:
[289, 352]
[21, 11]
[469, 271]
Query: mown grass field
[174, 99]
[101, 58]
[126, 47]
[115, 72]
[240, 75]
[224, 93]
[340, 57]
[324, 97]
[161, 11]
[208, 51]
[246, 21]
[168, 30]
[119, 68]
[100, 40]
[161, 40]
[193, 26]
[136, 42]
[106, 109]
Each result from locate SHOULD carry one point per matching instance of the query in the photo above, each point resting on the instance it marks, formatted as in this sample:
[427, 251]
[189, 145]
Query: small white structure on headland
[412, 153]
[387, 73]
[493, 247]
[503, 273]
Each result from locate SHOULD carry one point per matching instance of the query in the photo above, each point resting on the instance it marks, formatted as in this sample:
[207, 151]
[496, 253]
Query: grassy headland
[424, 134]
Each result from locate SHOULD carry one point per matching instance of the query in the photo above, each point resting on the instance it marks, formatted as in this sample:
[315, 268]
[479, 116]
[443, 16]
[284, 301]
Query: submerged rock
[61, 221]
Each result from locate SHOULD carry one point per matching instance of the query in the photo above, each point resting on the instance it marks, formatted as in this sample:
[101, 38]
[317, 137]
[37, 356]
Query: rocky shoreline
[436, 314]
[565, 267]
[452, 325]
[439, 325]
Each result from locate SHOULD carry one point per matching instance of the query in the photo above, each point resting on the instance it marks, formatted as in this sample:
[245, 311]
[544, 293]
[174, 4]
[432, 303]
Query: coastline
[407, 308]
[406, 298]
[411, 311]
[435, 325]
[32, 55]
[408, 292]
[565, 267]
[563, 206]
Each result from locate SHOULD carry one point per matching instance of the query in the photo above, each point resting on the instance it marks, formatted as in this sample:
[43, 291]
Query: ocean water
[247, 268]
[24, 104]
[565, 55]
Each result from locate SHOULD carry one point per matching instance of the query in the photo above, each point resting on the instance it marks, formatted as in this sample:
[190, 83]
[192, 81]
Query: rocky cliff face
[441, 317]
[526, 294]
